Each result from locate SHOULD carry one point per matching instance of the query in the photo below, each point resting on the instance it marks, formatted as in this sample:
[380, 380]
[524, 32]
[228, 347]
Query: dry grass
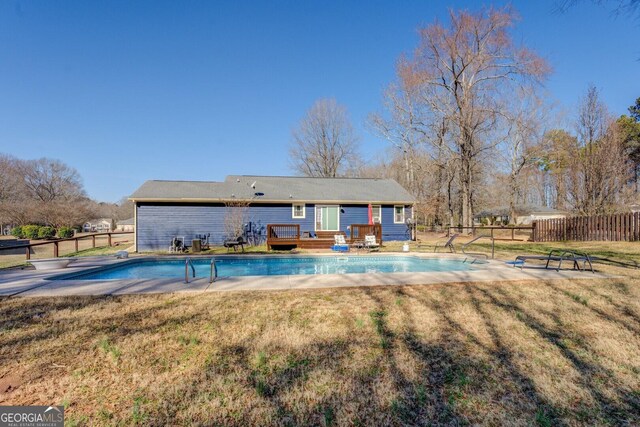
[561, 353]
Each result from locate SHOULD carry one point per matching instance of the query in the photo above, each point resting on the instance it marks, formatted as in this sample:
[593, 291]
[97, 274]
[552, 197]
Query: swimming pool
[153, 268]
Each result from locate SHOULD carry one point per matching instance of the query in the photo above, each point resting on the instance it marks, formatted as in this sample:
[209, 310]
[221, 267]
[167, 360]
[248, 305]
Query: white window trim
[315, 219]
[379, 210]
[293, 211]
[394, 214]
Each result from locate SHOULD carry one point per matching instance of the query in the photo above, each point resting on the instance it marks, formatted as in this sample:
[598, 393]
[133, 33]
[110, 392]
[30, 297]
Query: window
[377, 214]
[327, 218]
[398, 214]
[298, 211]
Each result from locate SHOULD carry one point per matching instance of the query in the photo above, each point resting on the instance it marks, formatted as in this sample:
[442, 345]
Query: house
[5, 229]
[527, 215]
[98, 225]
[125, 225]
[168, 209]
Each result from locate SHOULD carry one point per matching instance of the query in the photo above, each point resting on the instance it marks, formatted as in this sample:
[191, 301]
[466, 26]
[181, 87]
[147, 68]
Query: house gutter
[263, 201]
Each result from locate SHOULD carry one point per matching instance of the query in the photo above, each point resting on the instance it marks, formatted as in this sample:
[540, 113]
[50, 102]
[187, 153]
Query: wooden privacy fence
[613, 228]
[56, 243]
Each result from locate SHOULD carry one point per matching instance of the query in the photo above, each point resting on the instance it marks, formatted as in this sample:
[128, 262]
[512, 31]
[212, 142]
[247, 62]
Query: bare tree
[599, 169]
[523, 142]
[465, 71]
[324, 143]
[403, 129]
[49, 180]
[235, 218]
[42, 191]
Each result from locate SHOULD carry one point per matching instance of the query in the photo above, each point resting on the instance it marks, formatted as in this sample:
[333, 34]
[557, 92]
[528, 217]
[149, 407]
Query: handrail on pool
[213, 271]
[187, 263]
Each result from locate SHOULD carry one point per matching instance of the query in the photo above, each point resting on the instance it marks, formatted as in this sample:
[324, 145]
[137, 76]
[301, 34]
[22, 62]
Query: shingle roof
[277, 189]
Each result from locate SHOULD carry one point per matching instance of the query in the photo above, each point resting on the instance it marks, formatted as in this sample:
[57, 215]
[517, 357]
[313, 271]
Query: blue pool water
[265, 266]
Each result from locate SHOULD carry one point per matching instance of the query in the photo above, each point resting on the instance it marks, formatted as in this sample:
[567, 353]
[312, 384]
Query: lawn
[529, 353]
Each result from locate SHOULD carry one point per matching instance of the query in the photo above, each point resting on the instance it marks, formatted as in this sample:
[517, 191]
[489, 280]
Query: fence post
[93, 240]
[533, 231]
[55, 249]
[28, 253]
[109, 238]
[76, 244]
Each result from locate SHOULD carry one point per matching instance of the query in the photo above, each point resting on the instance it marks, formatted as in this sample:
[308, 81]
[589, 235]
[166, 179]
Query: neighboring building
[167, 209]
[527, 215]
[99, 225]
[5, 229]
[125, 225]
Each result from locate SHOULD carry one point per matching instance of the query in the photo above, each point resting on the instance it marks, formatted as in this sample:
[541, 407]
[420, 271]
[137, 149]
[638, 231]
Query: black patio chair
[235, 243]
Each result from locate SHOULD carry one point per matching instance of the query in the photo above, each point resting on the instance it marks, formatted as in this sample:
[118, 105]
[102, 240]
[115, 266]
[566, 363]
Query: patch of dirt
[9, 384]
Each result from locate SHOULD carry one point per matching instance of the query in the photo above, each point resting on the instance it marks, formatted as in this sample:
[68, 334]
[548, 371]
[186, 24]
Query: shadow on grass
[453, 377]
[594, 376]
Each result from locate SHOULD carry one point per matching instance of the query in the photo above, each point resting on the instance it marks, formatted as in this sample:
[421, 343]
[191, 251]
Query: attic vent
[258, 194]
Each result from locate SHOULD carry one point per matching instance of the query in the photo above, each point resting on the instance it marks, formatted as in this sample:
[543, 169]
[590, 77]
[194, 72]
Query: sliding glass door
[327, 218]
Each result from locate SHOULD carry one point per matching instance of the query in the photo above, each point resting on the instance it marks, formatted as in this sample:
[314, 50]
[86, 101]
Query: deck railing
[56, 243]
[283, 234]
[289, 234]
[358, 231]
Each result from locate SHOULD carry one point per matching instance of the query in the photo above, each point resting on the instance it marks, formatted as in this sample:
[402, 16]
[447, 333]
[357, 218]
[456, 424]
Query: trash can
[196, 245]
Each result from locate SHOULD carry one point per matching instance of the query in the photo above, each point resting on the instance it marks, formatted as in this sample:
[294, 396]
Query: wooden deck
[288, 236]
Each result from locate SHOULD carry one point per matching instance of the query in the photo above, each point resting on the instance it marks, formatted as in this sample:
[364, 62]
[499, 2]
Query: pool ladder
[213, 270]
[476, 255]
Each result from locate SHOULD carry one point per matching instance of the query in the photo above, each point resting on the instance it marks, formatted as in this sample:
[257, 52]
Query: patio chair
[559, 255]
[447, 245]
[234, 243]
[340, 244]
[177, 245]
[370, 243]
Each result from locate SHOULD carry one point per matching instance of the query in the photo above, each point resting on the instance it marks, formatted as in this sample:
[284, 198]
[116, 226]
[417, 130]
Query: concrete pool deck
[32, 283]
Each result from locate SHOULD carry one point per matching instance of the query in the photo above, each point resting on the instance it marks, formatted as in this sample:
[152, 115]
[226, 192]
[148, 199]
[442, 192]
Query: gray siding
[158, 223]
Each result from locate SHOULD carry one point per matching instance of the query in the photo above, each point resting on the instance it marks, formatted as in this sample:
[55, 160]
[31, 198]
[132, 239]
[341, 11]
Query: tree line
[50, 193]
[469, 128]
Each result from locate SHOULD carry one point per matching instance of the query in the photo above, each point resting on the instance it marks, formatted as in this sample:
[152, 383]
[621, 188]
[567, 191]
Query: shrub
[30, 231]
[17, 232]
[46, 233]
[65, 232]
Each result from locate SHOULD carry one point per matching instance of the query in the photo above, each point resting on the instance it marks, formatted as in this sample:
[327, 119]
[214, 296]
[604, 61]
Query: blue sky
[128, 91]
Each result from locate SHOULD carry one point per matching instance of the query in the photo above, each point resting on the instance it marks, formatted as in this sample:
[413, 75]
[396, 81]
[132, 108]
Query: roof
[276, 189]
[521, 210]
[125, 222]
[96, 220]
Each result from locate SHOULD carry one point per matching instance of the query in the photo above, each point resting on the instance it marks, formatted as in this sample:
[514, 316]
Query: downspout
[414, 229]
[135, 226]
